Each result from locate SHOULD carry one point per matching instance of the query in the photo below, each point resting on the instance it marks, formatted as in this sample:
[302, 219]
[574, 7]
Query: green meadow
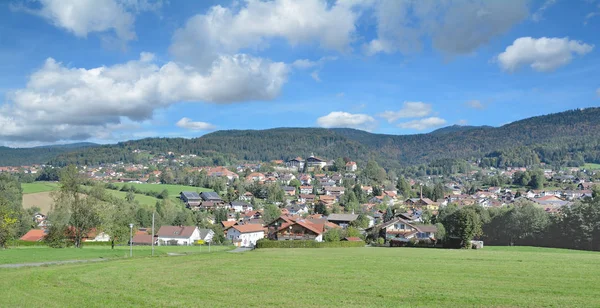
[592, 166]
[173, 190]
[328, 277]
[37, 187]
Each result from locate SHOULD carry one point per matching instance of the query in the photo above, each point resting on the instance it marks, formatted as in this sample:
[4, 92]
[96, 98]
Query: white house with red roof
[178, 235]
[246, 235]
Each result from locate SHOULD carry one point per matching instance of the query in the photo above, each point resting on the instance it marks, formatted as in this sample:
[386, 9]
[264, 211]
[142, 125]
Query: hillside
[37, 155]
[563, 138]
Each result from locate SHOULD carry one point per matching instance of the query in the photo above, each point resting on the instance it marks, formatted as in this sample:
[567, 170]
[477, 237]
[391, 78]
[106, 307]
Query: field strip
[50, 263]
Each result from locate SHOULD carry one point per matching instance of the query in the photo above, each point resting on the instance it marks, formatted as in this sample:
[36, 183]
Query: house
[190, 198]
[289, 190]
[367, 189]
[143, 239]
[296, 163]
[401, 230]
[305, 190]
[351, 166]
[255, 177]
[240, 206]
[210, 196]
[419, 202]
[586, 185]
[313, 162]
[246, 235]
[342, 220]
[247, 197]
[307, 198]
[299, 230]
[97, 237]
[327, 200]
[334, 191]
[34, 235]
[352, 239]
[297, 209]
[178, 235]
[206, 235]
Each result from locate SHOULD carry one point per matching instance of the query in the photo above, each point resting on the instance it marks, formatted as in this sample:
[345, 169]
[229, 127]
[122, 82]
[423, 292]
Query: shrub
[265, 243]
[381, 241]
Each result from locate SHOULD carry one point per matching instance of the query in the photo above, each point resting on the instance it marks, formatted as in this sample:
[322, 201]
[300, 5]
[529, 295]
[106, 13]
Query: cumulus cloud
[82, 17]
[475, 104]
[345, 119]
[543, 54]
[455, 26]
[423, 124]
[228, 30]
[63, 103]
[187, 123]
[409, 110]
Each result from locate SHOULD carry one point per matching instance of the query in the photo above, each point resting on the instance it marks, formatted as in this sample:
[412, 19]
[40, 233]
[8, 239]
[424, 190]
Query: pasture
[37, 187]
[592, 166]
[328, 277]
[173, 190]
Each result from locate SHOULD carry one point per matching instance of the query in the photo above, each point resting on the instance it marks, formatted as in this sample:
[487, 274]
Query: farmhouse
[190, 198]
[178, 235]
[240, 206]
[299, 230]
[401, 230]
[246, 235]
[342, 220]
[33, 235]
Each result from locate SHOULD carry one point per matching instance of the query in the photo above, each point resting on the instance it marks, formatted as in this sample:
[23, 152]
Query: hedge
[20, 243]
[264, 243]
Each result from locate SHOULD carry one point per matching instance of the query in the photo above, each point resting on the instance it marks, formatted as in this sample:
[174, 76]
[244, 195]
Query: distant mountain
[563, 138]
[457, 128]
[37, 155]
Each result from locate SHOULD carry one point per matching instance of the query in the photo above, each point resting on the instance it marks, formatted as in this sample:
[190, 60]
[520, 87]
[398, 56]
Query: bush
[20, 243]
[265, 243]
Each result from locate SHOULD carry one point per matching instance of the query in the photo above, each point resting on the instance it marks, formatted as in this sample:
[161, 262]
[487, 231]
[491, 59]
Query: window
[399, 227]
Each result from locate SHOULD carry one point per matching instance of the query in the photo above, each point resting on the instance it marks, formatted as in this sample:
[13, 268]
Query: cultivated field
[43, 200]
[343, 277]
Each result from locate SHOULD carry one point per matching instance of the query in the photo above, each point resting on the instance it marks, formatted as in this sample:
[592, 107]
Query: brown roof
[228, 224]
[33, 236]
[353, 239]
[176, 231]
[249, 228]
[142, 239]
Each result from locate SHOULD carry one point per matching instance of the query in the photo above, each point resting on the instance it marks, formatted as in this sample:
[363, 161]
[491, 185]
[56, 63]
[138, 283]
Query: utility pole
[152, 234]
[131, 240]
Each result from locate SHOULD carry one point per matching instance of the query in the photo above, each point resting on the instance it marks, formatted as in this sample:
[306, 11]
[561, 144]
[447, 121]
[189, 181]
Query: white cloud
[227, 30]
[82, 17]
[543, 54]
[409, 110]
[455, 26]
[475, 104]
[315, 76]
[345, 119]
[63, 103]
[423, 124]
[538, 15]
[187, 123]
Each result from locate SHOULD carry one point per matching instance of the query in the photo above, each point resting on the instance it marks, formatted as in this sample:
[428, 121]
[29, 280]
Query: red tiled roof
[353, 239]
[249, 228]
[33, 236]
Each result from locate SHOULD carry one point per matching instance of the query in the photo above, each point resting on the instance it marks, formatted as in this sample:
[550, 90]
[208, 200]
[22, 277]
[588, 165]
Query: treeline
[14, 220]
[525, 224]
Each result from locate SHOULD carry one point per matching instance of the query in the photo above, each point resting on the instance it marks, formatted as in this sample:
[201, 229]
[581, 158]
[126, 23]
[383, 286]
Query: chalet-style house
[246, 235]
[351, 166]
[289, 190]
[313, 162]
[190, 198]
[247, 197]
[305, 190]
[296, 163]
[334, 191]
[240, 206]
[286, 228]
[178, 235]
[419, 202]
[310, 198]
[401, 230]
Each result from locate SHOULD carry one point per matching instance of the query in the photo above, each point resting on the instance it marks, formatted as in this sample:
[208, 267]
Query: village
[314, 195]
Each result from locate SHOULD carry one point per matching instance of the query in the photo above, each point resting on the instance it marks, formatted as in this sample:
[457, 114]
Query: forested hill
[569, 137]
[37, 155]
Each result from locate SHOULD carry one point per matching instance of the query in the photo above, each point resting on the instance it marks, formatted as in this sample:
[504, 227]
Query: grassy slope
[43, 254]
[173, 190]
[36, 187]
[592, 166]
[358, 277]
[142, 199]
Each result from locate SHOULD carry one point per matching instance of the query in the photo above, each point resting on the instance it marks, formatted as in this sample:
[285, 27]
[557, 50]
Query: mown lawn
[45, 254]
[148, 201]
[37, 187]
[342, 277]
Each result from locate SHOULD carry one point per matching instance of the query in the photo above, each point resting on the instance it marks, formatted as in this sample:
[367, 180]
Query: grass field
[142, 199]
[592, 166]
[173, 190]
[343, 277]
[44, 254]
[37, 187]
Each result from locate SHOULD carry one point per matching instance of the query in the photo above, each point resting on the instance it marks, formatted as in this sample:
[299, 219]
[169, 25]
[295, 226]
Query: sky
[111, 70]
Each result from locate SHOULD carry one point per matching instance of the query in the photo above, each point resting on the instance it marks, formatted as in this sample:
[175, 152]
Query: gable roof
[353, 239]
[342, 217]
[249, 228]
[176, 231]
[210, 195]
[190, 195]
[228, 224]
[205, 232]
[33, 235]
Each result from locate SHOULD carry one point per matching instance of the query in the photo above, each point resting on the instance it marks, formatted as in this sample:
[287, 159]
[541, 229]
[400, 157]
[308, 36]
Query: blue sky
[112, 70]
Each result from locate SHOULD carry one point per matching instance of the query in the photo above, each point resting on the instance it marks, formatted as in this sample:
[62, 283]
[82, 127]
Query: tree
[440, 235]
[352, 232]
[115, 218]
[271, 213]
[537, 180]
[464, 224]
[339, 165]
[8, 222]
[320, 208]
[389, 214]
[220, 215]
[361, 222]
[596, 191]
[526, 220]
[333, 235]
[404, 188]
[72, 209]
[130, 197]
